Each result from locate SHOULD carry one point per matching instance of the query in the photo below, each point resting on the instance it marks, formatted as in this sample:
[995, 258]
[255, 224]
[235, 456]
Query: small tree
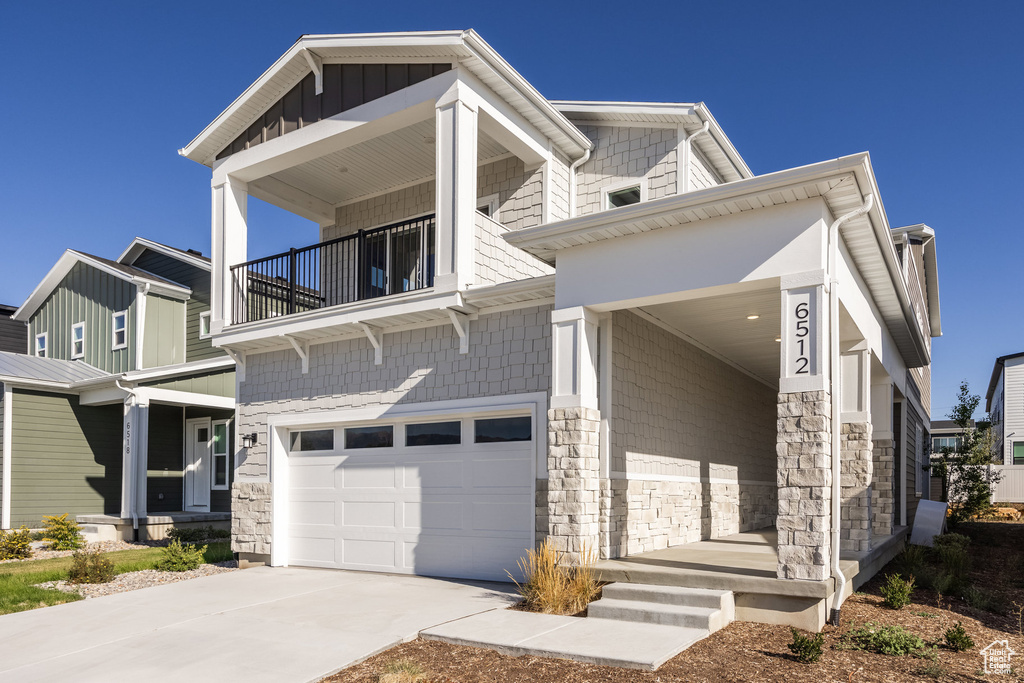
[967, 477]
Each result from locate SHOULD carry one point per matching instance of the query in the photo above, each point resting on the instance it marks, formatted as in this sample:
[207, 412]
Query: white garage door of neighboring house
[452, 498]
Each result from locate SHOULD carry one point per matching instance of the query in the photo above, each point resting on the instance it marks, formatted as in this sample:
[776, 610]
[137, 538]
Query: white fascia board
[504, 70]
[400, 109]
[185, 398]
[94, 397]
[723, 141]
[335, 316]
[140, 244]
[676, 109]
[502, 122]
[63, 387]
[532, 238]
[192, 367]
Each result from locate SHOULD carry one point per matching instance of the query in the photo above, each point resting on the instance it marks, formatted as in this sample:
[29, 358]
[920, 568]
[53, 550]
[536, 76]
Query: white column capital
[574, 358]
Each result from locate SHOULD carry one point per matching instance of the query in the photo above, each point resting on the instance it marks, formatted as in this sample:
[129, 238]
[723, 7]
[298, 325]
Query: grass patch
[18, 592]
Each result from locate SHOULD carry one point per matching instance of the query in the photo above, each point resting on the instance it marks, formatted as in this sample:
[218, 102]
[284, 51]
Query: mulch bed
[757, 652]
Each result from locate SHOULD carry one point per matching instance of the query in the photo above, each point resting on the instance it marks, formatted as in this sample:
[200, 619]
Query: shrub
[62, 533]
[402, 671]
[957, 638]
[551, 588]
[956, 563]
[197, 534]
[956, 540]
[806, 648]
[90, 568]
[15, 544]
[979, 598]
[912, 560]
[896, 591]
[885, 640]
[180, 558]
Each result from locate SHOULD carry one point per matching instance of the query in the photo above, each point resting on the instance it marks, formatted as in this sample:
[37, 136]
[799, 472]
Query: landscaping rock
[141, 579]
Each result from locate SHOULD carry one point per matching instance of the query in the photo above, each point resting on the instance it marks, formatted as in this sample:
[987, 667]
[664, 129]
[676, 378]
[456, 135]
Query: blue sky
[98, 97]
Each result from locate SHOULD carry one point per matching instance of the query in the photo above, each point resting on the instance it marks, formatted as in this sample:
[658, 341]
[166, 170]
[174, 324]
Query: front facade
[582, 321]
[1004, 402]
[121, 410]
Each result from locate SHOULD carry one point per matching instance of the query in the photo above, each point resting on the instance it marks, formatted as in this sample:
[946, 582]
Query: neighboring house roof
[465, 47]
[19, 366]
[947, 426]
[7, 310]
[141, 244]
[997, 370]
[690, 116]
[843, 184]
[70, 258]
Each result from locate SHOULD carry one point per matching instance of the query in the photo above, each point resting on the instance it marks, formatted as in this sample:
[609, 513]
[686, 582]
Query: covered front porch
[746, 563]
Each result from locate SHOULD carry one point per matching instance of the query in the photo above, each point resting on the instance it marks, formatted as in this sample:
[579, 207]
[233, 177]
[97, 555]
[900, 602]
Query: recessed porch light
[778, 339]
[753, 317]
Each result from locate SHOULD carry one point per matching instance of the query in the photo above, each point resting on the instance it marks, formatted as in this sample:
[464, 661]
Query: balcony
[368, 264]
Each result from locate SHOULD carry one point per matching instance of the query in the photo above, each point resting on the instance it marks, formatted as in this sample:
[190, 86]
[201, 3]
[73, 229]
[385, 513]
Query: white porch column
[229, 246]
[135, 456]
[804, 444]
[574, 435]
[456, 139]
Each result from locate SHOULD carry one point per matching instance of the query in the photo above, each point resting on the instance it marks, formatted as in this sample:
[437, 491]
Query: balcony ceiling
[398, 159]
[720, 323]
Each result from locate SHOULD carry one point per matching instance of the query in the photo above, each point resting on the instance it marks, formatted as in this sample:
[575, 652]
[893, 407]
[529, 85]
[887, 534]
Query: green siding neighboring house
[65, 457]
[194, 277]
[210, 383]
[163, 341]
[92, 296]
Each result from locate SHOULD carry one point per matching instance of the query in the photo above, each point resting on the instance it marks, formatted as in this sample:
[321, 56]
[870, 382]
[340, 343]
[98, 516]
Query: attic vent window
[624, 195]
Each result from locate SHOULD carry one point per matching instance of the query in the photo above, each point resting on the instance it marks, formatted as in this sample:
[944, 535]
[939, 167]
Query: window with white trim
[119, 330]
[488, 206]
[624, 194]
[204, 325]
[221, 440]
[42, 344]
[78, 340]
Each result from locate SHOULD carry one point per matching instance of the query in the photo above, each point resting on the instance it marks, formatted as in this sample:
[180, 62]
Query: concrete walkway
[266, 624]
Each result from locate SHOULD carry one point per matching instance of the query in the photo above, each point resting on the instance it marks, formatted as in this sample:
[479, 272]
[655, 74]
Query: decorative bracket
[460, 321]
[302, 350]
[376, 337]
[239, 358]
[317, 65]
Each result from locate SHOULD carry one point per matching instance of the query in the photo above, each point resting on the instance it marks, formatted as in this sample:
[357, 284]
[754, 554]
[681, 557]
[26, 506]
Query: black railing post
[361, 265]
[292, 280]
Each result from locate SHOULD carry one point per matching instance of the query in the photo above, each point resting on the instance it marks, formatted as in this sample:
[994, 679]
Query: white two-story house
[514, 318]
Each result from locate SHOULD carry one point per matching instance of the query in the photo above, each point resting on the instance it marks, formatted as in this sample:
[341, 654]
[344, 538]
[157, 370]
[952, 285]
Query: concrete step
[672, 595]
[709, 619]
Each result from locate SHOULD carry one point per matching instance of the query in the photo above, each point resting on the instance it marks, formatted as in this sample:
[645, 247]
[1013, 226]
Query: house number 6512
[803, 331]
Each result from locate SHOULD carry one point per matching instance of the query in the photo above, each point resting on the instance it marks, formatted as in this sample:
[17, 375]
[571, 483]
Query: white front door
[197, 464]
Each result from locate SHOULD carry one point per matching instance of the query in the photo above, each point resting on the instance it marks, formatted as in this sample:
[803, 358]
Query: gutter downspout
[683, 164]
[132, 488]
[572, 181]
[834, 389]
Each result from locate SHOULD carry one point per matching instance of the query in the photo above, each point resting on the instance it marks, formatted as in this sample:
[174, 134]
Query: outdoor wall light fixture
[248, 440]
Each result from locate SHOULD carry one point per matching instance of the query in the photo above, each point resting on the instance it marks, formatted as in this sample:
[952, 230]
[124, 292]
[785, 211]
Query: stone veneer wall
[622, 154]
[251, 517]
[574, 484]
[855, 482]
[805, 485]
[692, 444]
[883, 464]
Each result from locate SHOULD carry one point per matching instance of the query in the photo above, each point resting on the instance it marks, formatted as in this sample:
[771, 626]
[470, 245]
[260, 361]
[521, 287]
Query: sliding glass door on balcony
[365, 265]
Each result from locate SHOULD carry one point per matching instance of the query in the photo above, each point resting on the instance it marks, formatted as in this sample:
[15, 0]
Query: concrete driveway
[265, 624]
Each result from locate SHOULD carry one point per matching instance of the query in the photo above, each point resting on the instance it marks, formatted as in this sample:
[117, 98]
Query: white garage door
[451, 498]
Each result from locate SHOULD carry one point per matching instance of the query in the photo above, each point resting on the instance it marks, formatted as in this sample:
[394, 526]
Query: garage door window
[502, 429]
[313, 440]
[370, 437]
[433, 434]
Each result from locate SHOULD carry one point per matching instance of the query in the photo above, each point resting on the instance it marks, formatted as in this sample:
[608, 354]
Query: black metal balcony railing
[365, 265]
